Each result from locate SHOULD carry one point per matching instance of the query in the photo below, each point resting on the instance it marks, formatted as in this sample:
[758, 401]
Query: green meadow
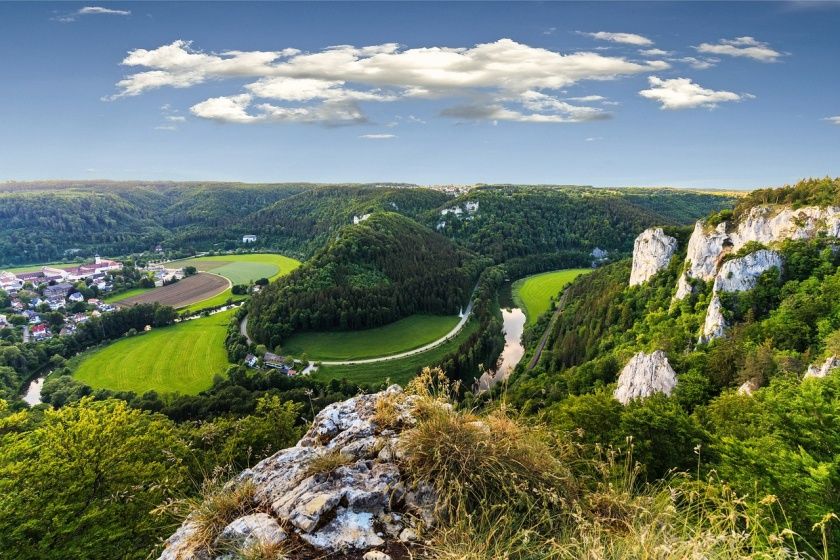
[534, 293]
[182, 358]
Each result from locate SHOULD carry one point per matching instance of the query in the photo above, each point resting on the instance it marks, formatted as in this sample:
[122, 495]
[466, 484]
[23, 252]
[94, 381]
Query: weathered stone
[407, 535]
[422, 502]
[749, 387]
[375, 555]
[652, 251]
[644, 375]
[252, 529]
[831, 363]
[348, 529]
[736, 275]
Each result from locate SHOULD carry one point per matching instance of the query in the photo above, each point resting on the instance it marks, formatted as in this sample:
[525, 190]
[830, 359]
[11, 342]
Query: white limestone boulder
[652, 251]
[645, 375]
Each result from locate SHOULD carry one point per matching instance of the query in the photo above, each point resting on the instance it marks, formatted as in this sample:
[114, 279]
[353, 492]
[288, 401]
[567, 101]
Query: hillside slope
[375, 272]
[731, 338]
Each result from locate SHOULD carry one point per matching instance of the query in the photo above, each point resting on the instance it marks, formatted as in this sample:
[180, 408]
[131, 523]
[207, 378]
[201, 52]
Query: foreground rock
[338, 490]
[736, 275]
[644, 375]
[652, 251]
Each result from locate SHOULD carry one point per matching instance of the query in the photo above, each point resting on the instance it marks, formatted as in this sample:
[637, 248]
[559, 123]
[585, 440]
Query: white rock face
[644, 375]
[736, 275]
[652, 251]
[749, 387]
[764, 224]
[358, 505]
[831, 363]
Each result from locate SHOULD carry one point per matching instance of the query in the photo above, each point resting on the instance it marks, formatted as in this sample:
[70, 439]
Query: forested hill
[514, 221]
[384, 268]
[41, 222]
[754, 403]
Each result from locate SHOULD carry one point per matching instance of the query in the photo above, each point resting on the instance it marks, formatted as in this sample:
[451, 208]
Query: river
[513, 326]
[33, 392]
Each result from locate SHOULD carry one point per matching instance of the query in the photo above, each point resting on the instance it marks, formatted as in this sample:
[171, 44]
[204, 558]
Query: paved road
[541, 346]
[243, 329]
[455, 330]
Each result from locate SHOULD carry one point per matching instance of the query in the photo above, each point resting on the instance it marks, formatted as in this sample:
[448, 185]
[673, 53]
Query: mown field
[533, 293]
[397, 371]
[189, 290]
[182, 358]
[400, 336]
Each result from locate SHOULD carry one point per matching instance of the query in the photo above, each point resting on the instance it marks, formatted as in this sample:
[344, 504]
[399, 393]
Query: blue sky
[611, 94]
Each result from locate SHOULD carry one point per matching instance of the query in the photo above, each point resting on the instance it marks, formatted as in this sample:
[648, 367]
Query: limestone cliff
[644, 375]
[652, 251]
[736, 275]
[338, 491]
[831, 363]
[766, 224]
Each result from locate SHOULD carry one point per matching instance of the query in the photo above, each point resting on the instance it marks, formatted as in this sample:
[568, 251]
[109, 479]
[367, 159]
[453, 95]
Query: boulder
[652, 251]
[336, 489]
[644, 375]
[831, 363]
[749, 387]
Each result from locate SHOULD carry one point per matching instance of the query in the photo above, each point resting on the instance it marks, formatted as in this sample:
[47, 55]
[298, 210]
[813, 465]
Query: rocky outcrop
[749, 387]
[644, 375]
[652, 251]
[764, 224]
[831, 363]
[736, 275]
[339, 489]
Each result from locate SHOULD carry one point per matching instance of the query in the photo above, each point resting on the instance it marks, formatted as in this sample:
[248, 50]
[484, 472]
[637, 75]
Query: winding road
[243, 328]
[541, 346]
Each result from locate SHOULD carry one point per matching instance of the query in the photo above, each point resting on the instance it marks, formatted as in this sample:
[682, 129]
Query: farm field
[399, 370]
[182, 358]
[125, 295]
[189, 290]
[242, 269]
[399, 336]
[533, 293]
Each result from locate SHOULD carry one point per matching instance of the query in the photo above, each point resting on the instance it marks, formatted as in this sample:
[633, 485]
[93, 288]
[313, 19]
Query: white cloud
[330, 83]
[90, 11]
[587, 98]
[747, 47]
[833, 120]
[378, 136]
[626, 38]
[654, 52]
[682, 93]
[175, 118]
[593, 138]
[698, 63]
[166, 127]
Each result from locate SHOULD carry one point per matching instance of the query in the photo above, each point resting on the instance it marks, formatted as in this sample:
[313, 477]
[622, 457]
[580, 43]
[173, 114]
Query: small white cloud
[549, 31]
[593, 138]
[91, 11]
[833, 120]
[175, 118]
[682, 93]
[654, 52]
[587, 98]
[626, 38]
[169, 127]
[697, 63]
[378, 136]
[747, 47]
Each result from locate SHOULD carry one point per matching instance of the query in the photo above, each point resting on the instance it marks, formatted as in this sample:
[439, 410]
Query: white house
[9, 281]
[249, 239]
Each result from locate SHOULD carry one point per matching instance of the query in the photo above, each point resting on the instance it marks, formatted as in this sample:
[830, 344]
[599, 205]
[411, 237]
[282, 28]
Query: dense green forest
[384, 268]
[780, 441]
[42, 222]
[514, 221]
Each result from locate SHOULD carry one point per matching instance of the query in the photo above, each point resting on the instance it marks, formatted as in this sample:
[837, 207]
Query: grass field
[239, 269]
[182, 358]
[397, 371]
[399, 336]
[534, 293]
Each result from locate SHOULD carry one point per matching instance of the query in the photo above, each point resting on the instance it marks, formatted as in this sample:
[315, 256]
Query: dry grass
[263, 551]
[327, 463]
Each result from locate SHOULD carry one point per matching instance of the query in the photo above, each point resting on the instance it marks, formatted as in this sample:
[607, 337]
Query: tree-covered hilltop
[749, 405]
[507, 221]
[377, 271]
[42, 222]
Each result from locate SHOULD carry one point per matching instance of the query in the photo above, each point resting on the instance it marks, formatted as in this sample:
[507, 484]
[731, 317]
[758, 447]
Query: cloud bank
[747, 47]
[502, 80]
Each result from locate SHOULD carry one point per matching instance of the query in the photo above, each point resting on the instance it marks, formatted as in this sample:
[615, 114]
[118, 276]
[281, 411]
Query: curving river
[513, 327]
[33, 392]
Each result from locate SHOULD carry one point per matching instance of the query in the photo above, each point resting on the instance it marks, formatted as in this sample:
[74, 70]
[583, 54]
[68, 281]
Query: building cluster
[274, 361]
[56, 290]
